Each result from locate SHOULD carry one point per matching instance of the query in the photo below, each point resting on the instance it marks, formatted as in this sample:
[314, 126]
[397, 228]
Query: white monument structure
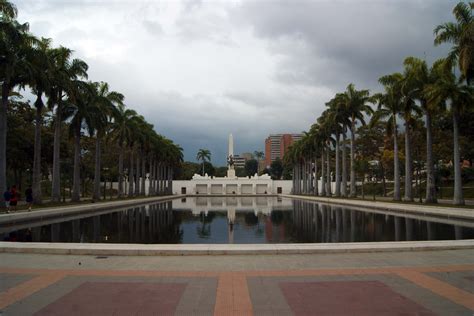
[230, 159]
[231, 184]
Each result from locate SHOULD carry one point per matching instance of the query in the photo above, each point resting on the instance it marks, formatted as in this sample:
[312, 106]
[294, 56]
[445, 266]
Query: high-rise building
[276, 145]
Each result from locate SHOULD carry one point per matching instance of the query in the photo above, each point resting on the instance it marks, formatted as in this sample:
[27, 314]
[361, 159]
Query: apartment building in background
[276, 145]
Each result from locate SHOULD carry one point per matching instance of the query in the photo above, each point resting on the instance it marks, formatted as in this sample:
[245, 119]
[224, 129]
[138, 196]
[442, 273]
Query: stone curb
[232, 249]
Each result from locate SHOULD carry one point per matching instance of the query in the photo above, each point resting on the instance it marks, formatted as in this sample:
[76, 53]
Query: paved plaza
[391, 283]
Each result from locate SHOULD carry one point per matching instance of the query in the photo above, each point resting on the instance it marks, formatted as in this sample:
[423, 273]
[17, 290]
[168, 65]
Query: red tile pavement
[232, 292]
[348, 298]
[118, 298]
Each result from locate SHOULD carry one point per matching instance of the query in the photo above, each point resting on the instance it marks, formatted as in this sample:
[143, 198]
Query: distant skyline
[200, 70]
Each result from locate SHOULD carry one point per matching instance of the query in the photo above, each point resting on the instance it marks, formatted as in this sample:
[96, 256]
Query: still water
[218, 220]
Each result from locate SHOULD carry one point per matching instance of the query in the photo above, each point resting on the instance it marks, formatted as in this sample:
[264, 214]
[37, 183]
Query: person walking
[7, 196]
[29, 197]
[14, 198]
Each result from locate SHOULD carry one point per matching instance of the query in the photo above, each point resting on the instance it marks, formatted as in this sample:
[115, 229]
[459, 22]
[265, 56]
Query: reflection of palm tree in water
[204, 230]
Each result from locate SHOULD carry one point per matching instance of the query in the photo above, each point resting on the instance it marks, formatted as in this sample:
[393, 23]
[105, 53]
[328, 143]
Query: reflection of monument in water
[231, 184]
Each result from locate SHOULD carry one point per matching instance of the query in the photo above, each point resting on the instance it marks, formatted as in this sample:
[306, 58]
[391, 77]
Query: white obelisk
[230, 157]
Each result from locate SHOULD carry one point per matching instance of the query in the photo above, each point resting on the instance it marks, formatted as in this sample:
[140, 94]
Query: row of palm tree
[88, 108]
[418, 91]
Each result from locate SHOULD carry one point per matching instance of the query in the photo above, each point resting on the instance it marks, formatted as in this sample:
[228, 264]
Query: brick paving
[425, 283]
[359, 297]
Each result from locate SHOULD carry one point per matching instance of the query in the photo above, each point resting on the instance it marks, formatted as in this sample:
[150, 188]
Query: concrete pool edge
[67, 210]
[440, 211]
[229, 249]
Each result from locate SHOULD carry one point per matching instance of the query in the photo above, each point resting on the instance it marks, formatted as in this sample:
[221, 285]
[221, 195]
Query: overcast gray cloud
[199, 70]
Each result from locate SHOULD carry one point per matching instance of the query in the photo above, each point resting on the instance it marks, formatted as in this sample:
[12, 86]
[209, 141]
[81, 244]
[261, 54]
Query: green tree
[259, 156]
[16, 44]
[448, 89]
[276, 169]
[203, 155]
[104, 101]
[251, 167]
[39, 81]
[461, 35]
[389, 107]
[66, 73]
[356, 103]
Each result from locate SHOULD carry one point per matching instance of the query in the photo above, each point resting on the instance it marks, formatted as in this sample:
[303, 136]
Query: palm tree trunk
[137, 176]
[36, 185]
[338, 171]
[120, 170]
[384, 183]
[344, 166]
[130, 175]
[56, 181]
[353, 192]
[3, 139]
[157, 177]
[396, 165]
[142, 186]
[430, 177]
[458, 198]
[293, 180]
[76, 184]
[96, 194]
[298, 177]
[311, 178]
[328, 173]
[316, 189]
[150, 176]
[408, 163]
[305, 177]
[323, 180]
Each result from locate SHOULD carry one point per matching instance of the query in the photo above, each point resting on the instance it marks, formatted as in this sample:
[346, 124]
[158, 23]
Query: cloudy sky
[199, 70]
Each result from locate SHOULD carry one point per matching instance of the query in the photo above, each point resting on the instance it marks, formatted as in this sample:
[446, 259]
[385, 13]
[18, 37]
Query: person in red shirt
[14, 198]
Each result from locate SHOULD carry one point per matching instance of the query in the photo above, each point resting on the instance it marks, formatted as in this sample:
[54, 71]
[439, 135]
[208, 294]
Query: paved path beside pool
[441, 211]
[408, 283]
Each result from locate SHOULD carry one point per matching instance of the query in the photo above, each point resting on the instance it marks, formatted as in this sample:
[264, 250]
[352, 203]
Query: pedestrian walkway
[409, 283]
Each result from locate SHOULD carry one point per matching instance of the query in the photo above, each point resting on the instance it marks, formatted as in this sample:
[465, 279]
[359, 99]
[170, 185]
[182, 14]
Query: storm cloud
[199, 70]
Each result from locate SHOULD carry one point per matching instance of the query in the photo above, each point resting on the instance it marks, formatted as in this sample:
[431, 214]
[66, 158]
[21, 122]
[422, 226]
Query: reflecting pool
[218, 220]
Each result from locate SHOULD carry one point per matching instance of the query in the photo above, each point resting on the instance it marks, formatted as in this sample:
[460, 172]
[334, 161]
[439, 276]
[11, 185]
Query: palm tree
[448, 89]
[15, 46]
[338, 118]
[258, 155]
[121, 132]
[416, 70]
[203, 155]
[389, 107]
[356, 104]
[410, 111]
[65, 73]
[41, 60]
[82, 113]
[461, 35]
[105, 101]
